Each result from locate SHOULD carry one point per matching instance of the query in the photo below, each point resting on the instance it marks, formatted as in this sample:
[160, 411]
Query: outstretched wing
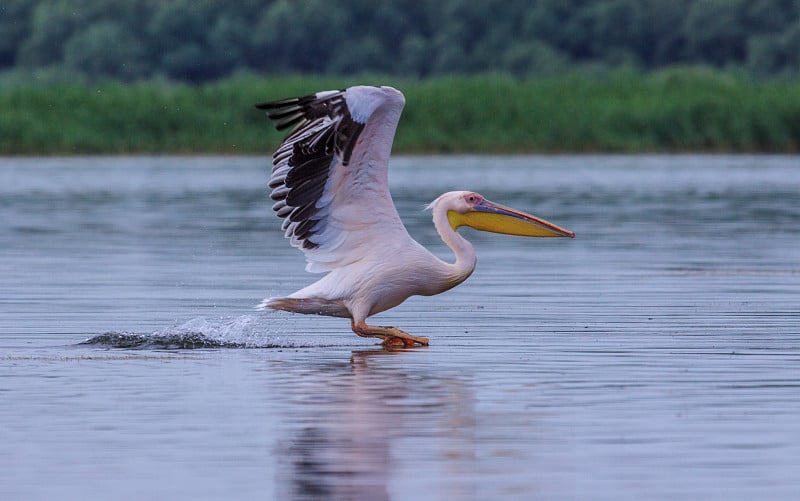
[330, 175]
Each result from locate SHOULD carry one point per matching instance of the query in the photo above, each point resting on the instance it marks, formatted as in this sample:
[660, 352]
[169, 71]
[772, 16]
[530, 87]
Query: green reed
[676, 110]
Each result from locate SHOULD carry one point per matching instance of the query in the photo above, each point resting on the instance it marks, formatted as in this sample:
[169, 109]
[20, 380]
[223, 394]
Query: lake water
[655, 356]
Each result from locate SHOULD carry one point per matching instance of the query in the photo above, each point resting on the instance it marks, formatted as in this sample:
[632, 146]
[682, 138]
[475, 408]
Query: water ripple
[199, 333]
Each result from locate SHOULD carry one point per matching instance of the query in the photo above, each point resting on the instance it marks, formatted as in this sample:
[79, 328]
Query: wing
[330, 175]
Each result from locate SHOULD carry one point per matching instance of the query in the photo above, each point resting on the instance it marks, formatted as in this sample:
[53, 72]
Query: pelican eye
[473, 198]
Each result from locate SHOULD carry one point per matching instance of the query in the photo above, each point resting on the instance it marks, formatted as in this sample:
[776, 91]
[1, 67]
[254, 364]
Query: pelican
[330, 185]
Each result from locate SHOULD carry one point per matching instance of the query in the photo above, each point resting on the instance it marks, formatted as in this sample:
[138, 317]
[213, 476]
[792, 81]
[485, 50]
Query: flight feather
[329, 177]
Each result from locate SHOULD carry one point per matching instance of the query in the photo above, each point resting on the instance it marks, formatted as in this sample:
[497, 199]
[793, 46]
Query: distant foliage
[672, 110]
[202, 40]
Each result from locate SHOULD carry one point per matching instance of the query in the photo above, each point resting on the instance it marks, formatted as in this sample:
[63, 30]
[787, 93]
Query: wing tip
[282, 103]
[298, 100]
[295, 111]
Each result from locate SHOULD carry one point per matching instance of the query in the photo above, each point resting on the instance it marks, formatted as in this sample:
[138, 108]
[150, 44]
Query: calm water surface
[655, 356]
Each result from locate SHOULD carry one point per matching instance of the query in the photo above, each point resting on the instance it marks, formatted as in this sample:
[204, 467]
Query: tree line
[201, 40]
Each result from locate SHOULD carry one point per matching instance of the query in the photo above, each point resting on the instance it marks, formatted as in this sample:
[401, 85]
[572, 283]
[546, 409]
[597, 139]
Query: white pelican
[330, 185]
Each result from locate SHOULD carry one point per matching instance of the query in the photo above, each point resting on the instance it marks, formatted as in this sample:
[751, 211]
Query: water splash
[240, 332]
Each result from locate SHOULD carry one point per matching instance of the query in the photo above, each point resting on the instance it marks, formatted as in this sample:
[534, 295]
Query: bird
[329, 184]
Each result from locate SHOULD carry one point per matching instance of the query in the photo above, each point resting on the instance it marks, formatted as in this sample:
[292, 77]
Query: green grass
[676, 110]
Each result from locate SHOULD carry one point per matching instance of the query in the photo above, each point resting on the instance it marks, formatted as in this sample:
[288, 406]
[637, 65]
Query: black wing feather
[323, 131]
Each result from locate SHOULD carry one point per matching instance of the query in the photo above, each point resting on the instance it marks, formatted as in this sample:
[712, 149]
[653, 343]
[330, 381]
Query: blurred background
[627, 75]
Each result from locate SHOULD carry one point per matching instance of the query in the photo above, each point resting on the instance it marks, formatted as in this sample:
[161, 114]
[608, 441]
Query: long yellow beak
[489, 216]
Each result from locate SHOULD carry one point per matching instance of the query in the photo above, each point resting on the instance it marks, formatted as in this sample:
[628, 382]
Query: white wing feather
[330, 175]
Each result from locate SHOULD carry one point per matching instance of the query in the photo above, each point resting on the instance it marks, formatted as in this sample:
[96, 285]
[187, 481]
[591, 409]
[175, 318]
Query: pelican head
[467, 208]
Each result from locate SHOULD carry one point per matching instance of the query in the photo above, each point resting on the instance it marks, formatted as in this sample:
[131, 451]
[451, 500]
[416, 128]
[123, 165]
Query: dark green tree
[179, 31]
[52, 24]
[300, 36]
[200, 40]
[716, 32]
[106, 49]
[15, 18]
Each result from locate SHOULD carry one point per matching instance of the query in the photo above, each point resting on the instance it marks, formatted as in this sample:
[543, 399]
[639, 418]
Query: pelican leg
[392, 336]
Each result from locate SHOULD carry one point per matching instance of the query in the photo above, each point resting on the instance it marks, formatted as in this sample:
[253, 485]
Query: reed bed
[676, 110]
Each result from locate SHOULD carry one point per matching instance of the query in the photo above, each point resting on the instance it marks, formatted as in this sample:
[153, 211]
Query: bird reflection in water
[352, 424]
